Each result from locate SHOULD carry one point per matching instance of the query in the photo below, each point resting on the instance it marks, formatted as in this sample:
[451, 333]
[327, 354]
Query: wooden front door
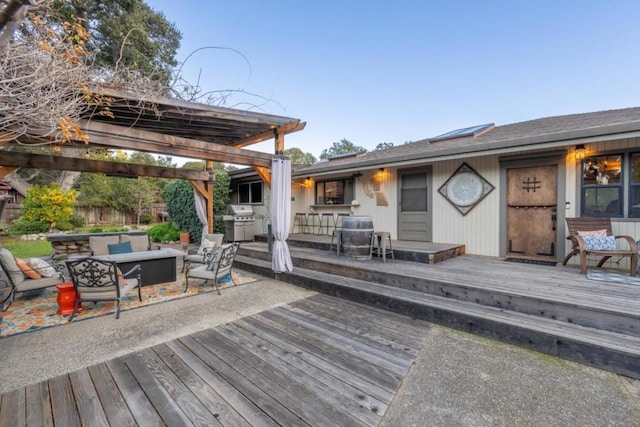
[532, 212]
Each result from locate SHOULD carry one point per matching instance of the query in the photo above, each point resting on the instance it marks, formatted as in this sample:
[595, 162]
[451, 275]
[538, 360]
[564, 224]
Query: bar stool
[340, 219]
[379, 245]
[313, 219]
[301, 221]
[336, 234]
[329, 218]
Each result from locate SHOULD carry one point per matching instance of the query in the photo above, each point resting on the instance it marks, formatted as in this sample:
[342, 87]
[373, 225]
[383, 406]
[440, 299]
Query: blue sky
[382, 71]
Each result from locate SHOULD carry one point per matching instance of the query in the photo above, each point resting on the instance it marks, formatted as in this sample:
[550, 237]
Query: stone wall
[65, 245]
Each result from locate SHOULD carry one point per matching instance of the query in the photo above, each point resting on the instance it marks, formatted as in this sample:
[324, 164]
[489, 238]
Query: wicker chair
[577, 225]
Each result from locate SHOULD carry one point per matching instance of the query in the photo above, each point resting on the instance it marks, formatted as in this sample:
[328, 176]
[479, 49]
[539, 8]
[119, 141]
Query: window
[336, 192]
[602, 186]
[634, 187]
[250, 192]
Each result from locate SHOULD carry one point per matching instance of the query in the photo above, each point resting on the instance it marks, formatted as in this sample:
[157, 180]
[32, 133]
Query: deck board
[292, 365]
[560, 283]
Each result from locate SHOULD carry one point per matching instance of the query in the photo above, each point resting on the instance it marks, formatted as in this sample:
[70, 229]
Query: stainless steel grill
[239, 223]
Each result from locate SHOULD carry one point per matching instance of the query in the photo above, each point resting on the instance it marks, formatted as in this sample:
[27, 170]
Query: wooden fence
[93, 216]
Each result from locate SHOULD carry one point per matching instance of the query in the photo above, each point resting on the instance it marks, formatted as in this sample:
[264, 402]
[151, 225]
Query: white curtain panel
[201, 210]
[281, 214]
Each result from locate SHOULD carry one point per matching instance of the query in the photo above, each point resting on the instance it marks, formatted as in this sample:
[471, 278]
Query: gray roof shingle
[538, 133]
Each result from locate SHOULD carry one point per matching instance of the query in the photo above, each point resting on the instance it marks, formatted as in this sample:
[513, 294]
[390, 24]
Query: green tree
[122, 194]
[48, 204]
[383, 146]
[299, 157]
[338, 148]
[179, 198]
[127, 33]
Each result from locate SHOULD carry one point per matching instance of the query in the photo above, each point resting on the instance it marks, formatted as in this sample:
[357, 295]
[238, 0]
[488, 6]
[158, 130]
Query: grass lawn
[26, 248]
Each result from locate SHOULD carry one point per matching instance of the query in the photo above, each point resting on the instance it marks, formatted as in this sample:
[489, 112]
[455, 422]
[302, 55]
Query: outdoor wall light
[580, 151]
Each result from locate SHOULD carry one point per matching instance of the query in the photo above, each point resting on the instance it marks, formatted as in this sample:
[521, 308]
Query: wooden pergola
[167, 127]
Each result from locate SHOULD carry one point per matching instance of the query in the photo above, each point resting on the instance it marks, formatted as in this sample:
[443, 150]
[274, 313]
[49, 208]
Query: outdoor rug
[37, 310]
[612, 276]
[531, 261]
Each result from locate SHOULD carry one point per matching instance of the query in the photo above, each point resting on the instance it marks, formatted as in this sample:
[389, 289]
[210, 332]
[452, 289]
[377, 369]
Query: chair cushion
[120, 248]
[10, 267]
[596, 243]
[43, 267]
[139, 242]
[27, 270]
[593, 233]
[99, 244]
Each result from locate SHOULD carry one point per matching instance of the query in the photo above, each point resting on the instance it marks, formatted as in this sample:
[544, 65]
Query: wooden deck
[318, 361]
[551, 309]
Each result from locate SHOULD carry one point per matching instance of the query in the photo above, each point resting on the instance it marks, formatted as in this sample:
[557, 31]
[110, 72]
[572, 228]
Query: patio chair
[27, 278]
[98, 280]
[218, 267]
[205, 251]
[583, 230]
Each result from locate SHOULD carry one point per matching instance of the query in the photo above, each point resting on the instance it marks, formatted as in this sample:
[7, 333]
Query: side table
[66, 299]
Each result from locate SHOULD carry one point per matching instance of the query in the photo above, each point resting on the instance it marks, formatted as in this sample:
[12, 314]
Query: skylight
[459, 133]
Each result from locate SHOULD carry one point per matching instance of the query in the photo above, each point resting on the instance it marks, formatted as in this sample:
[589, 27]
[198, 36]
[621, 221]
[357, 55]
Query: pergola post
[205, 189]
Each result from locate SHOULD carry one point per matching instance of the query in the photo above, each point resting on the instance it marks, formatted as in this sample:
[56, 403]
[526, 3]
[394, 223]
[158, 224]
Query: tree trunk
[67, 179]
[18, 184]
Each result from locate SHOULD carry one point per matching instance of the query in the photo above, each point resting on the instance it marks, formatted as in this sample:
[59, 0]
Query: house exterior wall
[480, 230]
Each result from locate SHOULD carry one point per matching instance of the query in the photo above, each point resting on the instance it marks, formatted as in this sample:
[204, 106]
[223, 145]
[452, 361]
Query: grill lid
[240, 210]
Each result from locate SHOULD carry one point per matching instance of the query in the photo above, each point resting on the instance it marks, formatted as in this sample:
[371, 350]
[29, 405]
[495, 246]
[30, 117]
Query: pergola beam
[107, 135]
[282, 130]
[13, 160]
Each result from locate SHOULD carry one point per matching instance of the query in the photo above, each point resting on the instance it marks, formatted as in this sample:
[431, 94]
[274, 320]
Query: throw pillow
[27, 270]
[9, 265]
[593, 233]
[594, 243]
[121, 280]
[119, 248]
[206, 246]
[43, 267]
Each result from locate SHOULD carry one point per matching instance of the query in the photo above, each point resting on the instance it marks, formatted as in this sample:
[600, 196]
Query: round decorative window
[465, 188]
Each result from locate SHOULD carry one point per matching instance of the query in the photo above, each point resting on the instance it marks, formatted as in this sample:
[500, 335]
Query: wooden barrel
[356, 236]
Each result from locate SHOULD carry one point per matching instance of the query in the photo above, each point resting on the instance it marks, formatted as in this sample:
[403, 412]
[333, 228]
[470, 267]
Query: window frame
[622, 186]
[347, 187]
[631, 184]
[250, 185]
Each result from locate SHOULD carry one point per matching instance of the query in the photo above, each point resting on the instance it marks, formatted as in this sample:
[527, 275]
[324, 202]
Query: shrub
[96, 230]
[146, 217]
[178, 195]
[77, 221]
[24, 226]
[48, 203]
[165, 232]
[64, 225]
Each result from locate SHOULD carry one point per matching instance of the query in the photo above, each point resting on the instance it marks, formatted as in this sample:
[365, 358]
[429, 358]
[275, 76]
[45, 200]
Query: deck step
[599, 313]
[616, 352]
[437, 253]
